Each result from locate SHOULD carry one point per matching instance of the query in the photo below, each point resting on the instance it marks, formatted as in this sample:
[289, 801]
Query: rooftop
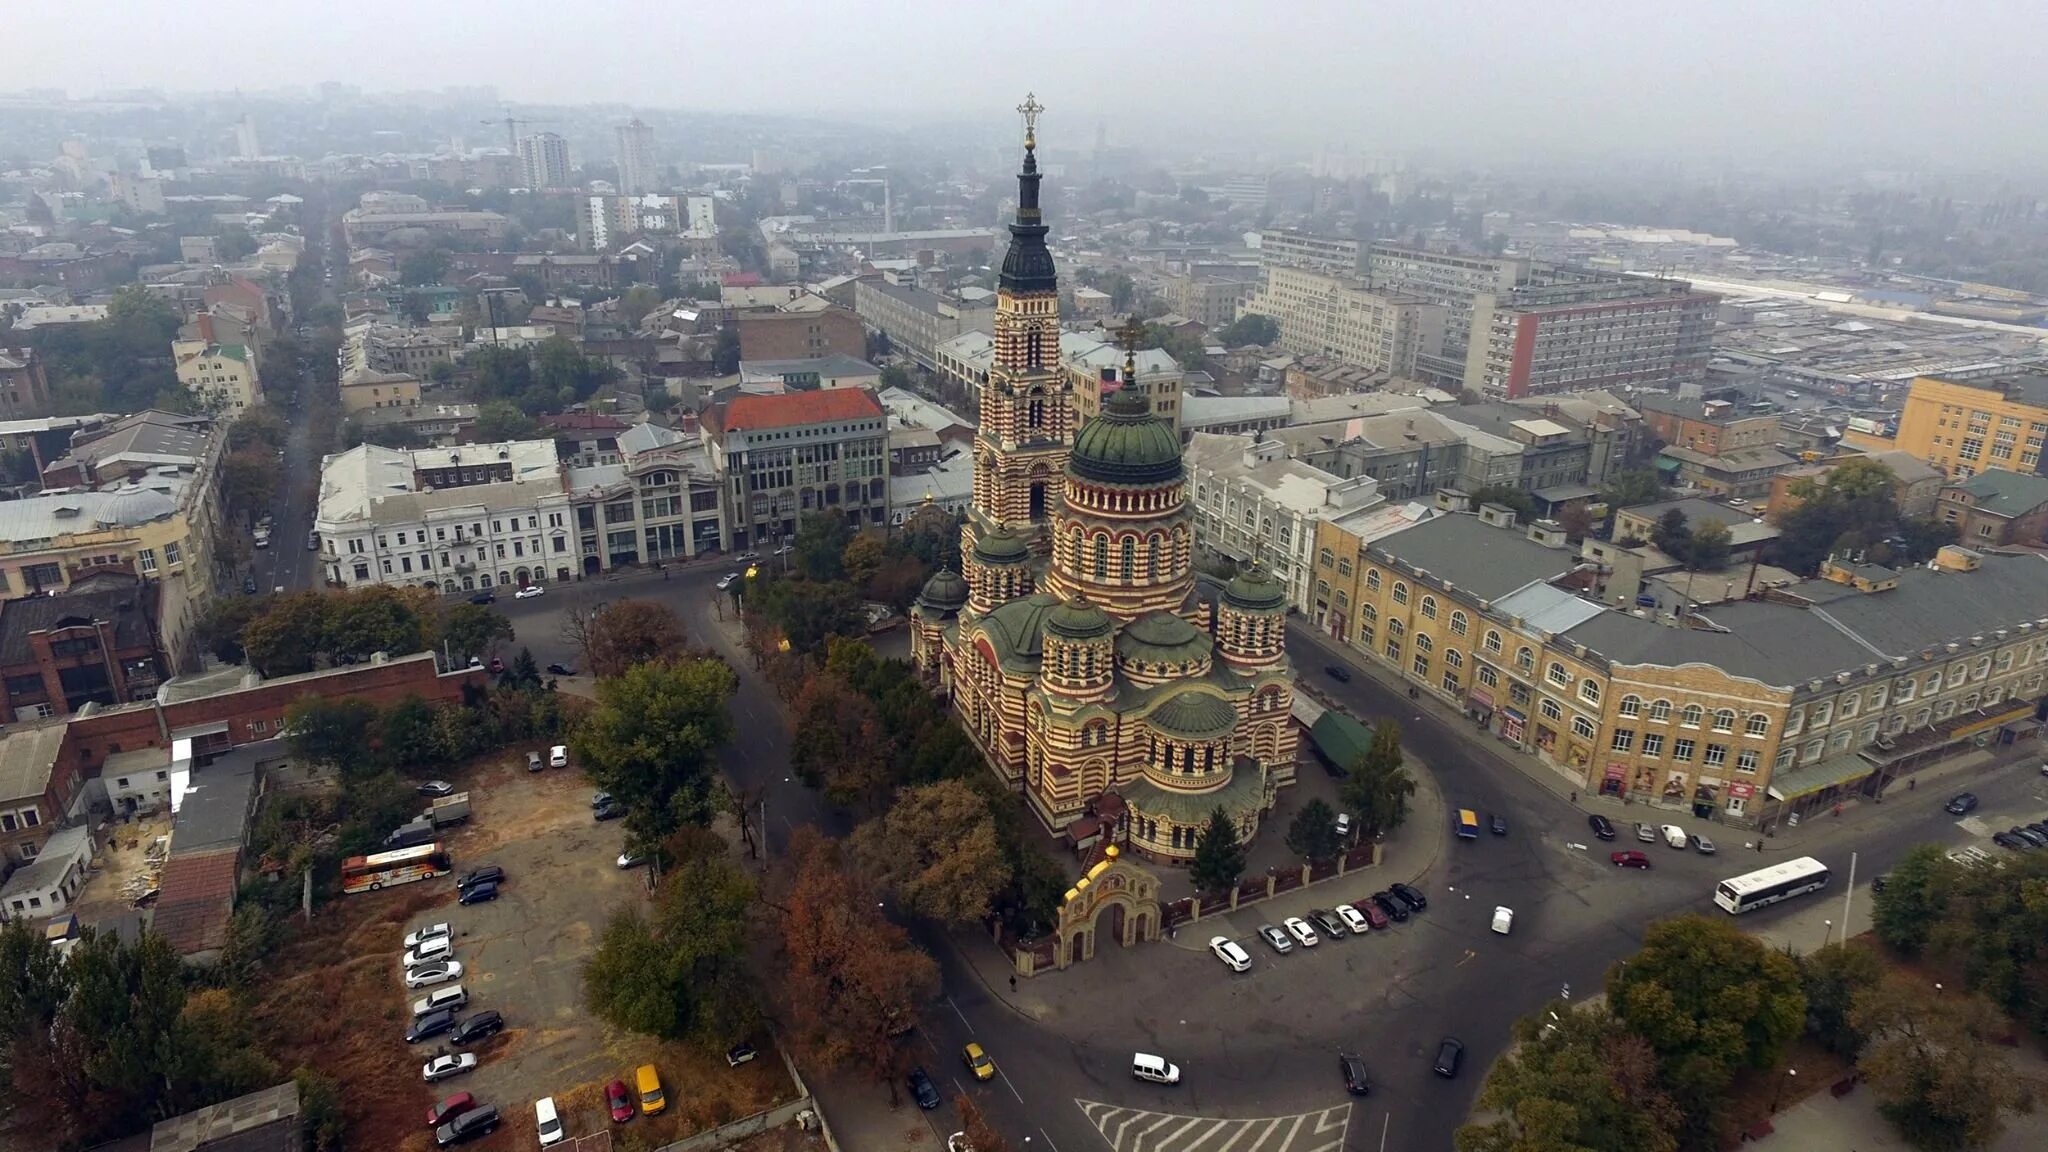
[835, 366]
[130, 609]
[265, 1121]
[53, 860]
[1206, 411]
[34, 520]
[1486, 561]
[2003, 493]
[795, 409]
[2029, 388]
[1282, 480]
[210, 803]
[148, 437]
[352, 483]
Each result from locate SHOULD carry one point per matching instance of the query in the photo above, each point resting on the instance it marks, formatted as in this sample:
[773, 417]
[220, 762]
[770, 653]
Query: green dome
[1255, 590]
[1127, 444]
[946, 591]
[1195, 715]
[1078, 620]
[999, 545]
[1164, 638]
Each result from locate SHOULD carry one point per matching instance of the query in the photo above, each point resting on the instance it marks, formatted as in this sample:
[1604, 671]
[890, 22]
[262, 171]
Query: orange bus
[370, 873]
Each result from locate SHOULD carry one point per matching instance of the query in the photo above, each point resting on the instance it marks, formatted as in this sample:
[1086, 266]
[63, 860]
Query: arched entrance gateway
[1117, 900]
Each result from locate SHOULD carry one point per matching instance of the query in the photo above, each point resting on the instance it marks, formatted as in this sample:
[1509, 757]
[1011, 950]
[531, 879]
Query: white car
[546, 1121]
[1503, 919]
[1227, 950]
[528, 592]
[428, 975]
[728, 580]
[430, 932]
[1344, 826]
[429, 952]
[558, 756]
[631, 860]
[453, 996]
[442, 1067]
[1353, 919]
[1299, 929]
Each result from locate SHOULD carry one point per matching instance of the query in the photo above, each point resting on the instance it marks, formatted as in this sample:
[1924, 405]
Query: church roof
[999, 545]
[1255, 589]
[1126, 444]
[1078, 620]
[1193, 714]
[1245, 792]
[1162, 637]
[1016, 629]
[946, 591]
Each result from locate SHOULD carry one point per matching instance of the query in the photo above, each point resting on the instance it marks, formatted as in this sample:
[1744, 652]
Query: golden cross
[1030, 108]
[1132, 332]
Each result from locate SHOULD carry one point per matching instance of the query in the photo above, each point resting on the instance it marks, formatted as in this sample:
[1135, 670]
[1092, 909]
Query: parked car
[1299, 929]
[442, 1067]
[547, 1123]
[2029, 835]
[923, 1090]
[1449, 1056]
[428, 975]
[1327, 923]
[2040, 826]
[1961, 804]
[1603, 828]
[978, 1062]
[1497, 824]
[484, 598]
[560, 670]
[480, 1026]
[1410, 895]
[1228, 951]
[1703, 846]
[747, 557]
[1338, 672]
[2008, 840]
[726, 581]
[1503, 919]
[248, 585]
[1354, 920]
[631, 859]
[618, 1102]
[439, 931]
[1373, 914]
[740, 1054]
[653, 1097]
[534, 763]
[430, 952]
[1275, 938]
[447, 999]
[1353, 1068]
[478, 894]
[450, 1108]
[431, 1025]
[488, 874]
[1630, 859]
[1344, 827]
[600, 799]
[1392, 907]
[608, 811]
[479, 1121]
[1157, 1069]
[528, 592]
[558, 756]
[436, 788]
[1646, 834]
[1674, 836]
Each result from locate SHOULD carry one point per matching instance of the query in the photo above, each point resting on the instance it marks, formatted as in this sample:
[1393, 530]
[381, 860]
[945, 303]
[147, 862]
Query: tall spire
[1027, 266]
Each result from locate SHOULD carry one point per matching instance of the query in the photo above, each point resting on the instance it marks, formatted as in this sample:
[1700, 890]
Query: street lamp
[1827, 932]
[1791, 1074]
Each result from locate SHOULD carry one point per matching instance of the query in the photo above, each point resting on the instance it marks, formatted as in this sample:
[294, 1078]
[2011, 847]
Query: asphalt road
[1260, 1046]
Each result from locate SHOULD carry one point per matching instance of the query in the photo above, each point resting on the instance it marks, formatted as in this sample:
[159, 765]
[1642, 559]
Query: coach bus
[1770, 885]
[382, 870]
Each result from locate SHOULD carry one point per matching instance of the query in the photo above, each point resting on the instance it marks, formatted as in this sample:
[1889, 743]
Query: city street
[288, 563]
[1258, 1049]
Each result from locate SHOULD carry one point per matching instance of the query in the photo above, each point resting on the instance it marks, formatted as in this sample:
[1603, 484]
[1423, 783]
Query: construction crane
[512, 124]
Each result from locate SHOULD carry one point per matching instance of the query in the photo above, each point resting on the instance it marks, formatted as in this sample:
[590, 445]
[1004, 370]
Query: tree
[837, 743]
[1914, 899]
[475, 629]
[500, 420]
[259, 427]
[650, 739]
[679, 972]
[852, 978]
[821, 540]
[290, 632]
[637, 302]
[1378, 788]
[1184, 347]
[1248, 328]
[1672, 534]
[563, 375]
[624, 633]
[981, 1135]
[1632, 487]
[864, 554]
[1509, 496]
[331, 730]
[407, 735]
[1219, 855]
[807, 614]
[1832, 977]
[1853, 507]
[1935, 1065]
[248, 480]
[426, 266]
[1712, 1000]
[1708, 549]
[894, 375]
[936, 850]
[1576, 520]
[375, 618]
[725, 351]
[1576, 1080]
[220, 629]
[1313, 833]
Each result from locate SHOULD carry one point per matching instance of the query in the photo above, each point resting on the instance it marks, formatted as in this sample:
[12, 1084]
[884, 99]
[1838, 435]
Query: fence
[1275, 882]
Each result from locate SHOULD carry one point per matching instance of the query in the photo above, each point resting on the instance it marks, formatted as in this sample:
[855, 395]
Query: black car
[478, 893]
[1392, 907]
[1327, 923]
[2029, 835]
[1498, 824]
[429, 1026]
[1354, 1074]
[1338, 672]
[560, 670]
[1602, 827]
[1961, 804]
[923, 1090]
[468, 1126]
[1449, 1055]
[609, 810]
[1410, 895]
[484, 598]
[2040, 826]
[478, 1027]
[249, 585]
[488, 874]
[2008, 840]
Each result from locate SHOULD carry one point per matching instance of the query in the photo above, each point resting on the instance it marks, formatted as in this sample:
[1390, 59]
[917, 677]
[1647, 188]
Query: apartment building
[544, 161]
[1211, 301]
[1567, 330]
[360, 227]
[1292, 248]
[1714, 445]
[24, 387]
[801, 335]
[221, 377]
[1996, 508]
[1965, 426]
[636, 157]
[1256, 505]
[1340, 316]
[785, 456]
[368, 388]
[1410, 454]
[95, 642]
[916, 321]
[394, 348]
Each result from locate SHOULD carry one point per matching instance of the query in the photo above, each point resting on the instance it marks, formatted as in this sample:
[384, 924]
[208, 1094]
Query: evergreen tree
[1219, 857]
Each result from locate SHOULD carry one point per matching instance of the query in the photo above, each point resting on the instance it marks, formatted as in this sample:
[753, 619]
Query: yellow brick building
[1963, 427]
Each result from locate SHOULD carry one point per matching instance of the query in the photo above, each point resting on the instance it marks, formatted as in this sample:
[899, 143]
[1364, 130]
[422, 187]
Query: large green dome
[1127, 444]
[1194, 715]
[1255, 590]
[946, 591]
[1078, 620]
[999, 545]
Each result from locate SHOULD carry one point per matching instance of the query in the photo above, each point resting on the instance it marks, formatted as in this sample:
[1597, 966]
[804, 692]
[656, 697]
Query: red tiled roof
[787, 409]
[585, 421]
[196, 897]
[741, 279]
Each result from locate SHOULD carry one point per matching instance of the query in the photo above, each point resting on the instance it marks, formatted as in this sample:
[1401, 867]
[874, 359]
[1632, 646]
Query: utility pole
[1848, 893]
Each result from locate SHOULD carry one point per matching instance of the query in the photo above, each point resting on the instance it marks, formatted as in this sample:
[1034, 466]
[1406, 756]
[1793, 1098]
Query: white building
[544, 160]
[1253, 503]
[222, 377]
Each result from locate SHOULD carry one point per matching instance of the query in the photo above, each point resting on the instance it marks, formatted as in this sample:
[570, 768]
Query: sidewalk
[1828, 1123]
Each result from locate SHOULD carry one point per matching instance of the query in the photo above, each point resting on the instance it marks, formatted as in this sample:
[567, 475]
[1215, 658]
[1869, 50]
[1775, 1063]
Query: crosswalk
[1135, 1130]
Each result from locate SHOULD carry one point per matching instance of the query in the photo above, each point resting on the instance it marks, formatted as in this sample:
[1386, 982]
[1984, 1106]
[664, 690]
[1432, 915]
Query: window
[1933, 684]
[1344, 566]
[1326, 557]
[1624, 740]
[1903, 692]
[1396, 628]
[1758, 724]
[1525, 659]
[1981, 669]
[1429, 607]
[1487, 676]
[1851, 701]
[1423, 643]
[1450, 681]
[1551, 711]
[147, 558]
[1372, 579]
[1653, 744]
[1631, 706]
[174, 553]
[1453, 658]
[1558, 676]
[1493, 641]
[1957, 672]
[1458, 623]
[1746, 760]
[1690, 717]
[1589, 691]
[1400, 592]
[1660, 712]
[1839, 742]
[1583, 728]
[1724, 720]
[1823, 714]
[1681, 751]
[1393, 648]
[1421, 667]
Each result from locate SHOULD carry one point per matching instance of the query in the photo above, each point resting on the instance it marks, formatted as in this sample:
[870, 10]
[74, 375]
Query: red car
[497, 665]
[1630, 859]
[1373, 914]
[618, 1101]
[449, 1109]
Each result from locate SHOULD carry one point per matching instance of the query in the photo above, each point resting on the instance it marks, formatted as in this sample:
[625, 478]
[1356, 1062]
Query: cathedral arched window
[1130, 558]
[1037, 413]
[1152, 544]
[1101, 557]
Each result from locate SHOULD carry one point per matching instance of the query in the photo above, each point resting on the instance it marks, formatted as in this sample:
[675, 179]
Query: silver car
[1275, 938]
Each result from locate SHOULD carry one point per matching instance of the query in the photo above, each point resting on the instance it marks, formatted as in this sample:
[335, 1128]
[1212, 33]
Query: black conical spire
[1027, 266]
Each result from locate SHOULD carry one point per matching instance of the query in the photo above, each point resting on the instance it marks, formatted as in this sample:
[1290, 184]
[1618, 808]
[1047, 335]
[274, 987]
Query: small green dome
[1127, 444]
[946, 591]
[1162, 638]
[1194, 715]
[999, 545]
[1255, 590]
[1078, 620]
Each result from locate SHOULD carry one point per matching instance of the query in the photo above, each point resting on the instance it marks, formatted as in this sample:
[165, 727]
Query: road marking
[961, 1015]
[1048, 1141]
[1469, 954]
[1007, 1084]
[1135, 1130]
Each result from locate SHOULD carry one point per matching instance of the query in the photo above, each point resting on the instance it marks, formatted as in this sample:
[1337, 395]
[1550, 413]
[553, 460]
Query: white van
[1674, 836]
[452, 996]
[1503, 919]
[1146, 1066]
[546, 1122]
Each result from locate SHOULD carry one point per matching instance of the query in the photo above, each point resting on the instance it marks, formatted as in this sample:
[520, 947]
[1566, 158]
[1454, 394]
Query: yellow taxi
[978, 1062]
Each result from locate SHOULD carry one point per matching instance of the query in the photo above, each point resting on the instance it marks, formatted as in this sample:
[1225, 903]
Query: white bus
[1770, 885]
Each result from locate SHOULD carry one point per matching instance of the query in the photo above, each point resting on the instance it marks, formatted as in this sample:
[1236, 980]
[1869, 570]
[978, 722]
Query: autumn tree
[288, 636]
[935, 848]
[1219, 855]
[1576, 520]
[376, 618]
[853, 978]
[679, 971]
[837, 743]
[1312, 835]
[1575, 1079]
[331, 730]
[259, 427]
[1378, 787]
[629, 632]
[1831, 978]
[248, 480]
[864, 554]
[820, 546]
[474, 629]
[1934, 1062]
[651, 741]
[981, 1135]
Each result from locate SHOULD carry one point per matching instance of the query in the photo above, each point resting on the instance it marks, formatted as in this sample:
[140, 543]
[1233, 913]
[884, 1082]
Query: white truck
[1674, 836]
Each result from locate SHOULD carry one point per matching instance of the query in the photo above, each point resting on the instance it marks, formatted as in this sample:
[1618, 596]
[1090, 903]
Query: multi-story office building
[1290, 248]
[636, 157]
[1566, 330]
[782, 457]
[800, 335]
[1410, 454]
[1448, 279]
[1211, 301]
[361, 227]
[1965, 426]
[915, 320]
[544, 160]
[393, 348]
[1256, 505]
[1328, 315]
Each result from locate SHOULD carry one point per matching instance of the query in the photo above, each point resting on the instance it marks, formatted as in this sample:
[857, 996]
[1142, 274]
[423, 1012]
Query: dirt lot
[122, 858]
[522, 956]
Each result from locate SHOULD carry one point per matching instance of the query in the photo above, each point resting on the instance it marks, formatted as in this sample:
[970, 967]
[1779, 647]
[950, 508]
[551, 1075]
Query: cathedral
[1081, 653]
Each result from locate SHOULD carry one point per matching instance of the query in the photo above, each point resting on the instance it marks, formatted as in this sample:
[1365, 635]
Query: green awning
[1667, 464]
[1813, 778]
[1341, 740]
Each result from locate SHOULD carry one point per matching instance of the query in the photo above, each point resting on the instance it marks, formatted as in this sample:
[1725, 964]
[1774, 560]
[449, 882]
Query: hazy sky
[1878, 80]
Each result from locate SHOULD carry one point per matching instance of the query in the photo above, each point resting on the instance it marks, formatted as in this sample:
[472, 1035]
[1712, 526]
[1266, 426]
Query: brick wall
[801, 335]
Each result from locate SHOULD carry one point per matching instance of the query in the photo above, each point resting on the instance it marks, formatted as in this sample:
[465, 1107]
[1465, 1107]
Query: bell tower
[1027, 408]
